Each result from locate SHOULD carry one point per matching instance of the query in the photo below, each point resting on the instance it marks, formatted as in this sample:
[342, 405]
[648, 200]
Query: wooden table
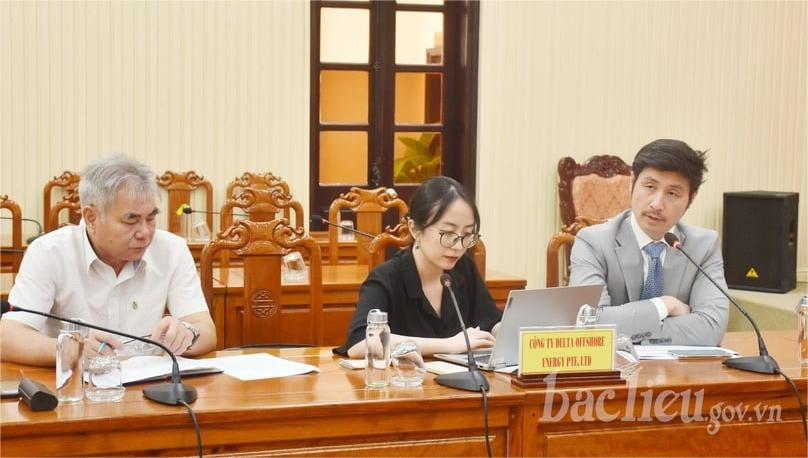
[332, 414]
[659, 390]
[340, 293]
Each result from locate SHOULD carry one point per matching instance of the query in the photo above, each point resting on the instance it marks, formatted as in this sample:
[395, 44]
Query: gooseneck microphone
[174, 393]
[320, 219]
[31, 238]
[473, 380]
[188, 210]
[763, 363]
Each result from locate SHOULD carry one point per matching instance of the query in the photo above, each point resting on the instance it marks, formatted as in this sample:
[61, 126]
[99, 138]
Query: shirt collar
[89, 253]
[412, 283]
[640, 235]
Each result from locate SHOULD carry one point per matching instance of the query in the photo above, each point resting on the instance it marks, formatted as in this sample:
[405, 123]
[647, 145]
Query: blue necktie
[653, 283]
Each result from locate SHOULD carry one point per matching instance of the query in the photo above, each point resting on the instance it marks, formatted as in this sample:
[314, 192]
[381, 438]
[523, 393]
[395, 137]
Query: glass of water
[201, 232]
[626, 358]
[408, 365]
[346, 233]
[587, 316]
[293, 268]
[105, 379]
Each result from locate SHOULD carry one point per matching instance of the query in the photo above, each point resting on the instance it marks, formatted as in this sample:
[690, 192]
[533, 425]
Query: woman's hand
[477, 338]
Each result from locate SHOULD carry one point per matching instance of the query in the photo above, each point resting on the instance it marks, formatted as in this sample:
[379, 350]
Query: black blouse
[395, 287]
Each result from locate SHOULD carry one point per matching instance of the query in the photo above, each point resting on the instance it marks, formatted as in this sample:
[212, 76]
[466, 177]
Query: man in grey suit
[653, 294]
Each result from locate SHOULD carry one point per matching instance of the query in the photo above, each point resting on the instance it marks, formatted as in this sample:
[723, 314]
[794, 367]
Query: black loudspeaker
[760, 240]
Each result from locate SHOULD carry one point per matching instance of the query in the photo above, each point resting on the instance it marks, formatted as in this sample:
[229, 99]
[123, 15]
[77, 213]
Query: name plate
[566, 349]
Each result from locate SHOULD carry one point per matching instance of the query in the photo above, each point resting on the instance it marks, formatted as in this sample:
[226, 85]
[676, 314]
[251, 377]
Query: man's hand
[173, 334]
[675, 306]
[99, 342]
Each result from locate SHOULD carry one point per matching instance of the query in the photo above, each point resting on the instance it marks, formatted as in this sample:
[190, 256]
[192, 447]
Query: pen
[104, 343]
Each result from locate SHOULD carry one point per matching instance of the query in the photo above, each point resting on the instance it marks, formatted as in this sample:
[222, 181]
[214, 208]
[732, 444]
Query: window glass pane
[344, 35]
[343, 158]
[419, 98]
[419, 38]
[343, 96]
[417, 156]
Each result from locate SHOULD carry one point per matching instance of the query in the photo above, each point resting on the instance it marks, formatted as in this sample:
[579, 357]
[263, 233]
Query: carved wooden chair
[266, 180]
[11, 255]
[72, 207]
[68, 183]
[400, 237]
[369, 206]
[597, 189]
[261, 318]
[256, 180]
[558, 252]
[259, 204]
[179, 187]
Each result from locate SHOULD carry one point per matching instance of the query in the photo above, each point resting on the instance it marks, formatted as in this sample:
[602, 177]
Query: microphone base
[469, 381]
[170, 393]
[763, 364]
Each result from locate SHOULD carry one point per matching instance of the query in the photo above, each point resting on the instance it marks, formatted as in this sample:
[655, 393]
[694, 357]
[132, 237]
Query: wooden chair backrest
[266, 180]
[558, 252]
[261, 204]
[73, 208]
[179, 187]
[68, 182]
[369, 206]
[400, 237]
[262, 245]
[598, 188]
[11, 256]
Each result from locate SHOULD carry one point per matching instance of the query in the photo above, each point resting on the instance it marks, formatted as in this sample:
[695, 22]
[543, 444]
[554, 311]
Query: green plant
[421, 159]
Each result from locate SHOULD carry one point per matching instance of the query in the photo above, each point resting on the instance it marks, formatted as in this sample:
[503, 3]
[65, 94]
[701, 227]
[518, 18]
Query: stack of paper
[667, 351]
[352, 363]
[442, 367]
[243, 367]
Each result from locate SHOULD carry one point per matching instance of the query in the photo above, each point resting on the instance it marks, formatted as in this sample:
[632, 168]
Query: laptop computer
[529, 308]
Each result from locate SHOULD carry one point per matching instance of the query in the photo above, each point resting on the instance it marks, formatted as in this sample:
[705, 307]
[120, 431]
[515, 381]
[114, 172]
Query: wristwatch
[194, 330]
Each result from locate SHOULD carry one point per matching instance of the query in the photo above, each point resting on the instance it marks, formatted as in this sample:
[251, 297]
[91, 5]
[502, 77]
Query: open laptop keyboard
[482, 357]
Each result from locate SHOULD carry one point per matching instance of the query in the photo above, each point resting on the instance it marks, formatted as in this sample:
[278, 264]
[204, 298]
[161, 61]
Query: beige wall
[225, 87]
[583, 78]
[220, 87]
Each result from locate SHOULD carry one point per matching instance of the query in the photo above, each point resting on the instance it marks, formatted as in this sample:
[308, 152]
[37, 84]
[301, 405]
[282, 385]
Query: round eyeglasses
[450, 239]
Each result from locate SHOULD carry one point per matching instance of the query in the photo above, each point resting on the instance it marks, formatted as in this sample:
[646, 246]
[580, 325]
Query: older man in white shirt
[114, 269]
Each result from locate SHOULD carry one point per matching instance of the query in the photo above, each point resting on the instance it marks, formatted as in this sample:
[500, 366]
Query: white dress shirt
[642, 240]
[62, 274]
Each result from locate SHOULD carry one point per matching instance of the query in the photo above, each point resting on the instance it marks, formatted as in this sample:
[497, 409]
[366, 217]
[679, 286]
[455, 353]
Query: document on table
[243, 367]
[258, 366]
[667, 351]
[147, 368]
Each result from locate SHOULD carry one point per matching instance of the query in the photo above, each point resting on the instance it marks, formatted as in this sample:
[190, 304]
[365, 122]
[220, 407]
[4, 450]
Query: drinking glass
[105, 379]
[408, 365]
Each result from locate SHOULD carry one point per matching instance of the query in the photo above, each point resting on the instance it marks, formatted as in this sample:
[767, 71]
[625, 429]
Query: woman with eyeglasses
[444, 223]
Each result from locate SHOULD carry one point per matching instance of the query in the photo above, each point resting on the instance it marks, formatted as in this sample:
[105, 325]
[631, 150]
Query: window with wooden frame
[393, 95]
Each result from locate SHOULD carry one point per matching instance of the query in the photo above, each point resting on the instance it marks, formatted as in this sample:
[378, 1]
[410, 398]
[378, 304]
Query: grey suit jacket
[608, 254]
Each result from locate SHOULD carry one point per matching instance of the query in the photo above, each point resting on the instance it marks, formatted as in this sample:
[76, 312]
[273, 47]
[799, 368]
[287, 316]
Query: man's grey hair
[104, 177]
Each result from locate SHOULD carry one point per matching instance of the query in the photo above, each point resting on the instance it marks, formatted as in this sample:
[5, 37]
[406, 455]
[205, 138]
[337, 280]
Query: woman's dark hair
[672, 156]
[433, 197]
